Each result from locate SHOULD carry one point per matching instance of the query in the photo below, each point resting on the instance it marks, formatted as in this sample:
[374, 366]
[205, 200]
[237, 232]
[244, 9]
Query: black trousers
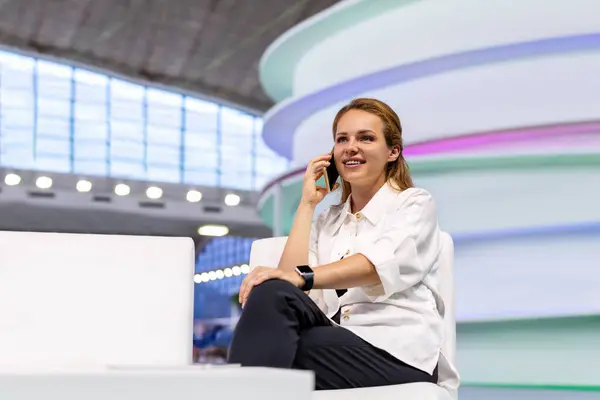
[281, 327]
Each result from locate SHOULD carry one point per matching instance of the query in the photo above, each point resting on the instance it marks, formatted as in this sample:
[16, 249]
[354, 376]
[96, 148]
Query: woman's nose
[351, 145]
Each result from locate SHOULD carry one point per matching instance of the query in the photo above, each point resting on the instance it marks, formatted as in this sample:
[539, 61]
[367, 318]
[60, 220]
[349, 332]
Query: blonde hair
[397, 172]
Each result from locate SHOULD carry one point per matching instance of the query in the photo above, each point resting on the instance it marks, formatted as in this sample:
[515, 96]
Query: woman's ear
[394, 153]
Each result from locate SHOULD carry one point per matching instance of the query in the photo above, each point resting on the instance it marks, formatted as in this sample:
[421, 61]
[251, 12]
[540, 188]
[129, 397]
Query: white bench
[103, 317]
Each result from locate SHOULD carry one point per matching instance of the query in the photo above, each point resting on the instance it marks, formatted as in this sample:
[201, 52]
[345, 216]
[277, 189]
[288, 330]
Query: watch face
[304, 269]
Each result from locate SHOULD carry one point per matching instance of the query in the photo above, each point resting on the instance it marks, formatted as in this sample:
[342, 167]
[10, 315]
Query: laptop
[80, 301]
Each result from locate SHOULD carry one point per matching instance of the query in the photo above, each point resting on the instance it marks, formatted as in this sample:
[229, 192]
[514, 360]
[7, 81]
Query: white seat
[267, 252]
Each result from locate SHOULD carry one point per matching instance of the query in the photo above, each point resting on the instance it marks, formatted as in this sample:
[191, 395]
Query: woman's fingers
[263, 277]
[254, 278]
[246, 285]
[322, 157]
[318, 166]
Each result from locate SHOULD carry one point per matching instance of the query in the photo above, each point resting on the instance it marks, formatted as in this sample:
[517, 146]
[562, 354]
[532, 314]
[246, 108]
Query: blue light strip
[582, 228]
[280, 126]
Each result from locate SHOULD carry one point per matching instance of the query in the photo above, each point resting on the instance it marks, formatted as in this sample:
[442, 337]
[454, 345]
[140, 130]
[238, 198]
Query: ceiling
[208, 47]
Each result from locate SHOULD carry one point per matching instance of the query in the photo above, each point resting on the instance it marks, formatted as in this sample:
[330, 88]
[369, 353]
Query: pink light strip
[495, 138]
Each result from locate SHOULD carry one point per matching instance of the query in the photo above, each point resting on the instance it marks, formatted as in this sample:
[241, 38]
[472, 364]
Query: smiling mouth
[353, 163]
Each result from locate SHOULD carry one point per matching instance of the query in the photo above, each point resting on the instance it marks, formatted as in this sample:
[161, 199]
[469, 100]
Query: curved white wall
[487, 201]
[425, 29]
[520, 93]
[501, 104]
[526, 277]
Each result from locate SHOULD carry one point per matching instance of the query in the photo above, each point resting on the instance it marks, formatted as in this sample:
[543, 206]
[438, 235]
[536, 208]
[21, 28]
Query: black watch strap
[308, 275]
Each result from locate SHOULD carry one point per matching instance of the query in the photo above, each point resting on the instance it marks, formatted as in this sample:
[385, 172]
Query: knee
[267, 291]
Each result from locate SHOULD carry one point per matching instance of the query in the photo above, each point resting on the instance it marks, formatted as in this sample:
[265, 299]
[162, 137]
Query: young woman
[354, 297]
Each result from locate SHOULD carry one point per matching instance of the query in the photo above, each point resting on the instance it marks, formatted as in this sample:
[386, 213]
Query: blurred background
[197, 118]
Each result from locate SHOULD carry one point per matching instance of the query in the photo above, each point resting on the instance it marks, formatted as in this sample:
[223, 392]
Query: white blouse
[398, 232]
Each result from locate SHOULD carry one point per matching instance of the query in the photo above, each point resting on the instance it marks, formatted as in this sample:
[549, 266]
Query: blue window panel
[91, 131]
[161, 153]
[164, 108]
[53, 127]
[126, 130]
[149, 133]
[90, 166]
[200, 177]
[127, 111]
[90, 113]
[122, 90]
[127, 169]
[127, 149]
[163, 135]
[236, 122]
[205, 158]
[19, 99]
[17, 156]
[90, 149]
[52, 162]
[16, 71]
[162, 174]
[58, 147]
[54, 107]
[16, 136]
[90, 87]
[17, 118]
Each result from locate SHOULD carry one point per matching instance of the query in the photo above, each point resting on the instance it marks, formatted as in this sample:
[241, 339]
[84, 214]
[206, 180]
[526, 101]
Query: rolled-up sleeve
[406, 246]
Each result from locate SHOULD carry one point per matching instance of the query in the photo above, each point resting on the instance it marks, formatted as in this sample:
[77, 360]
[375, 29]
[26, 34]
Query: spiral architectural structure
[500, 106]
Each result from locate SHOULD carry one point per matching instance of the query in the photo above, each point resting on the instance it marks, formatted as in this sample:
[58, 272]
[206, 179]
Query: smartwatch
[308, 274]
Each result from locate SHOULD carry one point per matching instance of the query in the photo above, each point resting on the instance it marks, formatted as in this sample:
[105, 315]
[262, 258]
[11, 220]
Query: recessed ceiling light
[83, 186]
[43, 182]
[154, 192]
[232, 199]
[193, 196]
[122, 189]
[12, 179]
[213, 230]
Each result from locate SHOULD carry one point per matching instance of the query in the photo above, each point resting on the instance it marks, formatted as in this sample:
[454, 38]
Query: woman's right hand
[313, 194]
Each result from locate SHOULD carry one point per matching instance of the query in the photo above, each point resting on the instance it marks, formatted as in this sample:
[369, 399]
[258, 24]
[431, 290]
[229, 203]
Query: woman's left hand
[260, 274]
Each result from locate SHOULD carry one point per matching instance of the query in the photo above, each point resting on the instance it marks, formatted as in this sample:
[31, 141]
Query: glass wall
[61, 118]
[224, 255]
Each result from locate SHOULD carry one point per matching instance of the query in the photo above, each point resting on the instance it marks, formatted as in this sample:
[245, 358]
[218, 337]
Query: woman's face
[360, 152]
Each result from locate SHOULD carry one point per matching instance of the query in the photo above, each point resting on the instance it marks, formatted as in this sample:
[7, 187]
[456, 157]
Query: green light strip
[574, 388]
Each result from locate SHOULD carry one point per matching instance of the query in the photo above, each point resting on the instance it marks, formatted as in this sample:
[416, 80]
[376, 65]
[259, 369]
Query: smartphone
[331, 174]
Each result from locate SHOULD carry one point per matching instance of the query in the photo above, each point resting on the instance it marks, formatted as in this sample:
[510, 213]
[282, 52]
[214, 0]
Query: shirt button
[346, 311]
[357, 215]
[347, 252]
[346, 318]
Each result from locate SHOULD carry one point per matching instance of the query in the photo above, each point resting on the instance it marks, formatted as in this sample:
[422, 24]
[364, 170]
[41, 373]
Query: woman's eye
[340, 140]
[368, 138]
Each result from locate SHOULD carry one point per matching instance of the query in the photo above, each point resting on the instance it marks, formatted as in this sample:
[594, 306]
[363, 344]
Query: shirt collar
[375, 208]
